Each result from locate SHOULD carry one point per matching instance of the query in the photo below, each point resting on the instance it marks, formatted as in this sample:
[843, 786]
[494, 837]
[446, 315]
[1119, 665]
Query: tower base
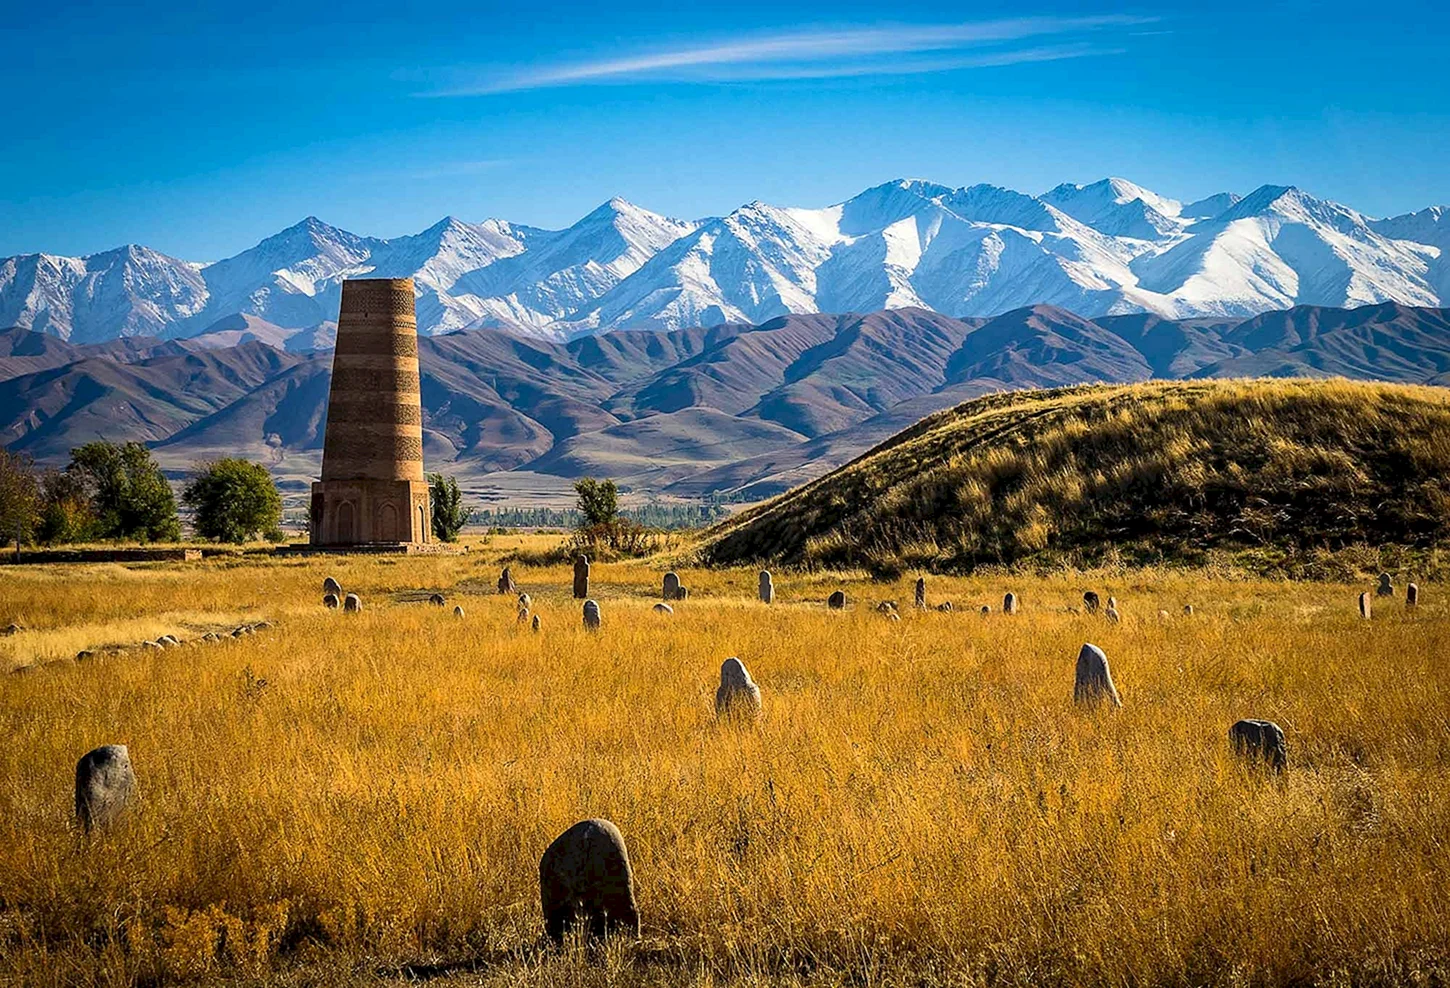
[368, 512]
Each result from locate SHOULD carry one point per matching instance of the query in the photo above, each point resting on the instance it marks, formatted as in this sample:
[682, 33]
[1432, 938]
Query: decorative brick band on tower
[372, 488]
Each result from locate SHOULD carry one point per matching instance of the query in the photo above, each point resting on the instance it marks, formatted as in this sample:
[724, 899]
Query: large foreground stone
[105, 784]
[1093, 683]
[1260, 740]
[585, 880]
[738, 696]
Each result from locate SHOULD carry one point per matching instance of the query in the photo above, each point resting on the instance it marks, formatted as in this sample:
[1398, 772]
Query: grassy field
[364, 798]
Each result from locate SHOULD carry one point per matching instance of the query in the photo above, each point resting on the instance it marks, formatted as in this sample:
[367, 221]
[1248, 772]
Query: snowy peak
[1107, 248]
[1118, 208]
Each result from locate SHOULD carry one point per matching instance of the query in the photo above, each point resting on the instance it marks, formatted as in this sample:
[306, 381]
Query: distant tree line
[666, 517]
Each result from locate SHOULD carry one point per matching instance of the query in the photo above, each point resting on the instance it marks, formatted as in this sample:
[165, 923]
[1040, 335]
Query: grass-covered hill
[1274, 470]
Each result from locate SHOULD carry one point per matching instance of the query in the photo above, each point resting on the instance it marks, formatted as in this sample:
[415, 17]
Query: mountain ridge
[1106, 248]
[737, 410]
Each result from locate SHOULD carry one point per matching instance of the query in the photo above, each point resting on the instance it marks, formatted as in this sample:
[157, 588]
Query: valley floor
[343, 799]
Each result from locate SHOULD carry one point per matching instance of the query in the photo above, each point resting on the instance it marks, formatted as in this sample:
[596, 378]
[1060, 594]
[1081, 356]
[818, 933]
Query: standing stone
[534, 624]
[837, 600]
[523, 614]
[1112, 614]
[921, 593]
[1009, 603]
[437, 600]
[581, 577]
[352, 603]
[1364, 605]
[1094, 682]
[1188, 610]
[683, 594]
[1386, 587]
[671, 588]
[1260, 740]
[886, 607]
[585, 878]
[330, 600]
[1113, 603]
[330, 585]
[986, 610]
[1090, 601]
[105, 783]
[767, 588]
[663, 608]
[944, 606]
[591, 615]
[525, 600]
[738, 696]
[506, 582]
[458, 610]
[1412, 595]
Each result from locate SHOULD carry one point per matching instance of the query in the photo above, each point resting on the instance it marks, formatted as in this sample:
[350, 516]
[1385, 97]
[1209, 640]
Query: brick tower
[372, 489]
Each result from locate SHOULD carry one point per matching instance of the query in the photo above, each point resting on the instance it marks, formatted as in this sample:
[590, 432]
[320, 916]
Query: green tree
[66, 514]
[598, 502]
[234, 500]
[127, 490]
[19, 499]
[449, 514]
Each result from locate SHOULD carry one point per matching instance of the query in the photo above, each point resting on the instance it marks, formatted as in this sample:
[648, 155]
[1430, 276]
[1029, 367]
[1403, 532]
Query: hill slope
[1157, 470]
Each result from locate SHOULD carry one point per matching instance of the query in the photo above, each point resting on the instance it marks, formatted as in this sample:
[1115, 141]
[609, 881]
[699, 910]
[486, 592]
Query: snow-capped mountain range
[1107, 248]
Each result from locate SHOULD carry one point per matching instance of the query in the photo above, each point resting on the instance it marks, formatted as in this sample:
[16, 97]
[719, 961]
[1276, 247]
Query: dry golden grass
[1281, 475]
[921, 804]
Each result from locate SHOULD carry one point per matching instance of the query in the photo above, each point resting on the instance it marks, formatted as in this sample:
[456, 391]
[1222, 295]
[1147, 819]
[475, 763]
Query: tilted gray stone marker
[506, 582]
[1112, 614]
[1188, 610]
[1090, 601]
[330, 585]
[1093, 682]
[737, 696]
[1386, 587]
[670, 590]
[921, 593]
[1009, 603]
[591, 615]
[581, 577]
[105, 784]
[837, 600]
[352, 603]
[458, 610]
[767, 587]
[1261, 740]
[585, 879]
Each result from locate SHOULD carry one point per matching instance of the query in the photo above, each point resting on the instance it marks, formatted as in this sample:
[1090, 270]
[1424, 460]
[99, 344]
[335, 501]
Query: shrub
[234, 500]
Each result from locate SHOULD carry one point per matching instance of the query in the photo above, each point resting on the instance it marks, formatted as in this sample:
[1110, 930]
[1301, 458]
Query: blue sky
[199, 129]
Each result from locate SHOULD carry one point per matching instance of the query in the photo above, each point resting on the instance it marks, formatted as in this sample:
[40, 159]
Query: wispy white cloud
[823, 53]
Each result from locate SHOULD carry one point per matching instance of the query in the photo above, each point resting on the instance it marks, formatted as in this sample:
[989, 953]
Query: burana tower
[372, 490]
